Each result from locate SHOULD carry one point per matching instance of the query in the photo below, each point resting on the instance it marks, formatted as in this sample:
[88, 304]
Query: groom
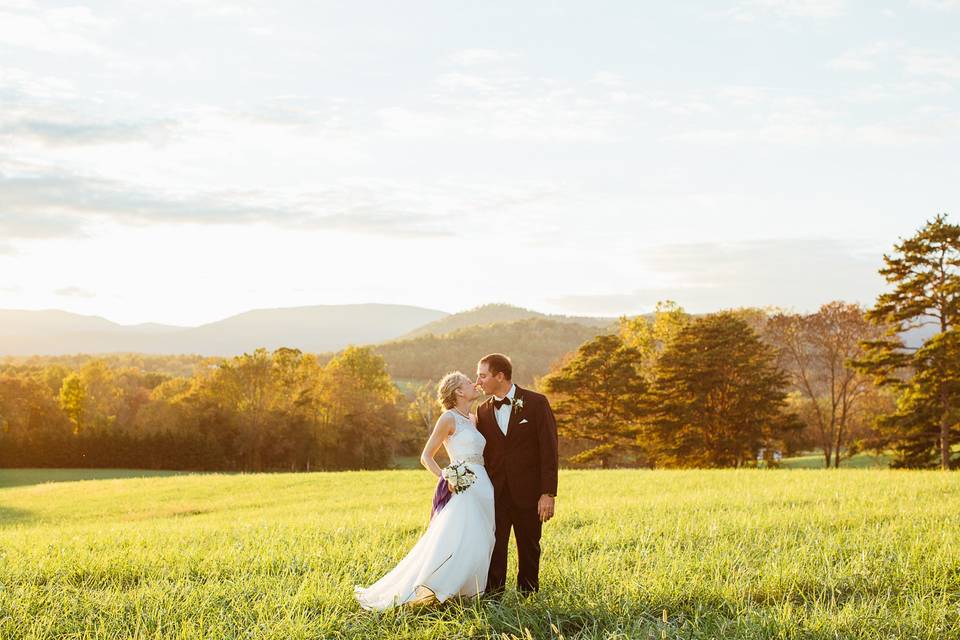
[521, 459]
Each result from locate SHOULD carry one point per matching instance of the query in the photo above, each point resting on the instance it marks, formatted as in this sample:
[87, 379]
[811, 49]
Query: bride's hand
[452, 487]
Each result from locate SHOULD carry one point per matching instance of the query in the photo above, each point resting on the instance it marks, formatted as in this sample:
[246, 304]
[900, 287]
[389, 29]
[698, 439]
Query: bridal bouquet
[460, 476]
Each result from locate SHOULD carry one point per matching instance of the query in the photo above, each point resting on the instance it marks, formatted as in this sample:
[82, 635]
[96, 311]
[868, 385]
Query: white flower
[459, 475]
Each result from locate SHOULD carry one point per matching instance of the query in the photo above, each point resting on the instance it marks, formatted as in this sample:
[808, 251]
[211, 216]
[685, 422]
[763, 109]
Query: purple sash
[440, 497]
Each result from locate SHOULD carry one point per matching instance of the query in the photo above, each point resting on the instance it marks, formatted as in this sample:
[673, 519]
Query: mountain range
[319, 328]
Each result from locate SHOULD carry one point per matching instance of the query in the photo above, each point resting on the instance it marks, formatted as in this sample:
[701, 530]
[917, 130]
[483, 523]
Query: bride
[453, 555]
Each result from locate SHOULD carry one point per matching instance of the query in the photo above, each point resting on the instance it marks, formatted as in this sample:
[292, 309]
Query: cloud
[507, 105]
[608, 79]
[48, 110]
[61, 30]
[861, 59]
[914, 61]
[219, 9]
[750, 10]
[36, 225]
[16, 84]
[767, 118]
[480, 57]
[926, 128]
[942, 5]
[76, 292]
[928, 63]
[511, 105]
[68, 131]
[761, 116]
[38, 203]
[328, 116]
[790, 272]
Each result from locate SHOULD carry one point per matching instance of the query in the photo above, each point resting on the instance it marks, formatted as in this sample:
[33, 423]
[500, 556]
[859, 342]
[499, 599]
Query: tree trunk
[836, 448]
[944, 430]
[944, 403]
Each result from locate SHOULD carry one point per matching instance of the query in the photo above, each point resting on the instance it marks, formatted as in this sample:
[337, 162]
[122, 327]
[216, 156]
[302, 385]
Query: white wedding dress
[453, 555]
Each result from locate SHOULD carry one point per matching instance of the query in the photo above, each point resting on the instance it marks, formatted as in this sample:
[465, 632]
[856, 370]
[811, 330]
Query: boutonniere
[517, 404]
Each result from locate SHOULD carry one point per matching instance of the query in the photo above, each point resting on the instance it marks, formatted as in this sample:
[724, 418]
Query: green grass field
[20, 477]
[859, 461]
[631, 554]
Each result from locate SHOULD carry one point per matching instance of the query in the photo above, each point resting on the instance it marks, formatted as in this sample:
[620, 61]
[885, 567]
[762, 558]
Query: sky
[185, 160]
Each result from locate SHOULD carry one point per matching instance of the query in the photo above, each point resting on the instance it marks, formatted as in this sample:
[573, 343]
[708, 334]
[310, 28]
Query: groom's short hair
[498, 363]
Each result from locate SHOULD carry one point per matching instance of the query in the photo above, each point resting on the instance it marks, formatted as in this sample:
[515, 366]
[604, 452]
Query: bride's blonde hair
[447, 389]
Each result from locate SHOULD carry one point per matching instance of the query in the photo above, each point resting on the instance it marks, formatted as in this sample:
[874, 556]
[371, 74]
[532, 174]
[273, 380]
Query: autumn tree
[262, 410]
[31, 423]
[245, 385]
[101, 395]
[924, 271]
[72, 396]
[650, 336]
[817, 351]
[718, 396]
[359, 402]
[598, 398]
[165, 409]
[424, 410]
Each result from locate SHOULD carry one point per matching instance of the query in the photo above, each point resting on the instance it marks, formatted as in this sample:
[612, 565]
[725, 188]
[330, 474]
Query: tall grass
[631, 554]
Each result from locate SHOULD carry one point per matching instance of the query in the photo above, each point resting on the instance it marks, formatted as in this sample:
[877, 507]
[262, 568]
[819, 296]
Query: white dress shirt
[503, 413]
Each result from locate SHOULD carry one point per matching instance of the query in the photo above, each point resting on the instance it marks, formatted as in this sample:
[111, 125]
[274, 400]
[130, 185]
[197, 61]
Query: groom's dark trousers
[522, 466]
[528, 528]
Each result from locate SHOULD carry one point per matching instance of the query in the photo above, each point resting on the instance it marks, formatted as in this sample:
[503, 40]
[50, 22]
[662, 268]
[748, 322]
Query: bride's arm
[444, 427]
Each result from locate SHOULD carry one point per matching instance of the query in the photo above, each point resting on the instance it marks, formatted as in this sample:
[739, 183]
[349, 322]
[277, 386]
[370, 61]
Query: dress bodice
[465, 443]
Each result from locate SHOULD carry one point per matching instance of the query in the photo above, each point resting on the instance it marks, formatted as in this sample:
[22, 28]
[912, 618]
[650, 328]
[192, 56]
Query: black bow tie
[499, 403]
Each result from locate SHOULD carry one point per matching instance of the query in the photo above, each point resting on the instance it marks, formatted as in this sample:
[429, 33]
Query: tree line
[284, 410]
[665, 390]
[729, 388]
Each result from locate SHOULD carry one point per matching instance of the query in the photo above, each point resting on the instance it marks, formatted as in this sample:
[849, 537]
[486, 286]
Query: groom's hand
[545, 507]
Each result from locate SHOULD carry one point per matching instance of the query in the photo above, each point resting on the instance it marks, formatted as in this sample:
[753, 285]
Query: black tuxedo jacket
[525, 461]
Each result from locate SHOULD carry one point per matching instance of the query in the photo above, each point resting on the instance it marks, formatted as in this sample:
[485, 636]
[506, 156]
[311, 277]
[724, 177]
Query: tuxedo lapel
[491, 420]
[514, 411]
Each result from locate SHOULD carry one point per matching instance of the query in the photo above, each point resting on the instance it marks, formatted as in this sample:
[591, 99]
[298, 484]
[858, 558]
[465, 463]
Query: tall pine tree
[925, 273]
[599, 396]
[718, 397]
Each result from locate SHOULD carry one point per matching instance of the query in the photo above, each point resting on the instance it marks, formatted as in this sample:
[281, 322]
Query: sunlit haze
[179, 162]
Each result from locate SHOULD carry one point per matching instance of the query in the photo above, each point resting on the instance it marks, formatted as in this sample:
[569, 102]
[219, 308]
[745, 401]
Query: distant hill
[314, 328]
[533, 344]
[497, 313]
[317, 328]
[393, 329]
[54, 332]
[17, 321]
